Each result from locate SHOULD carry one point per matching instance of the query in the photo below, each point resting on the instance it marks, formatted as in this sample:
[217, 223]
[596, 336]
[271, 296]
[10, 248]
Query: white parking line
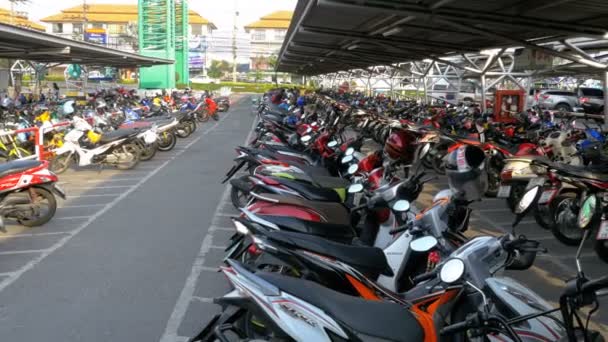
[99, 187]
[70, 217]
[34, 234]
[26, 251]
[83, 206]
[185, 297]
[114, 180]
[45, 253]
[100, 195]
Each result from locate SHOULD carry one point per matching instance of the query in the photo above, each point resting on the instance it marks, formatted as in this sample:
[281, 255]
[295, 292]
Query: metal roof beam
[416, 43]
[549, 51]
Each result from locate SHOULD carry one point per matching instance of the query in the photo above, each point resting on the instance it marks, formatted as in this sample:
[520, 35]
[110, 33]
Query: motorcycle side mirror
[423, 244]
[401, 206]
[452, 271]
[306, 138]
[525, 204]
[353, 168]
[347, 159]
[587, 212]
[309, 129]
[332, 144]
[353, 189]
[349, 151]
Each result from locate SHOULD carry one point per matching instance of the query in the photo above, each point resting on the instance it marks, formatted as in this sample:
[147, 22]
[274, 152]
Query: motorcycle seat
[335, 232]
[594, 172]
[370, 320]
[369, 260]
[17, 166]
[330, 212]
[310, 191]
[118, 134]
[331, 182]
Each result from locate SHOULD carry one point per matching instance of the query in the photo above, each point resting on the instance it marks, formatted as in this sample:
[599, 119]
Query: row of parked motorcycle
[111, 129]
[330, 246]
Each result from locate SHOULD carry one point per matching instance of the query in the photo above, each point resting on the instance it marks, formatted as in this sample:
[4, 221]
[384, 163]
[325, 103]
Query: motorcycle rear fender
[50, 186]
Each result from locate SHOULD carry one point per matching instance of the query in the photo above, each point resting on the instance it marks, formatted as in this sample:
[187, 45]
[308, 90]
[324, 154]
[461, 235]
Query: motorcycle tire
[148, 152]
[437, 161]
[60, 163]
[427, 162]
[40, 220]
[544, 217]
[566, 228]
[601, 249]
[493, 182]
[166, 141]
[183, 130]
[517, 191]
[193, 125]
[238, 197]
[135, 152]
[216, 117]
[202, 116]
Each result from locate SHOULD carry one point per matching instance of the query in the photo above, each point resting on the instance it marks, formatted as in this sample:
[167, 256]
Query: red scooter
[27, 189]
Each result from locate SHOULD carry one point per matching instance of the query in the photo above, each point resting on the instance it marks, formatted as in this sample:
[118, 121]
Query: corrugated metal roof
[332, 35]
[20, 43]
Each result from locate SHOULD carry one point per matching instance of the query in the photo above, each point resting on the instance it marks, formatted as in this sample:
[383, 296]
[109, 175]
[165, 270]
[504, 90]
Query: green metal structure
[163, 33]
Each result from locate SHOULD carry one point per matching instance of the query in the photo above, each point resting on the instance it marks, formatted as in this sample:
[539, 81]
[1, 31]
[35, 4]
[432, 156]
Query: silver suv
[554, 99]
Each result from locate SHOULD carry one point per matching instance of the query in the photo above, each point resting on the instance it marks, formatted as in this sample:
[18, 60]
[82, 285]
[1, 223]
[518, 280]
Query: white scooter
[115, 148]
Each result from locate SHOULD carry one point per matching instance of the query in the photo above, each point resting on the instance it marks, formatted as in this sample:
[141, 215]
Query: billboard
[96, 36]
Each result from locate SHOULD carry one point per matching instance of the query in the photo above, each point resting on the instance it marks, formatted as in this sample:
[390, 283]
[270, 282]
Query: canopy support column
[605, 97]
[483, 93]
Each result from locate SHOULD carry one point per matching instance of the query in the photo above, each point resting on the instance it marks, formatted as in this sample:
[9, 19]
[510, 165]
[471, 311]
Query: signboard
[196, 60]
[96, 36]
[528, 59]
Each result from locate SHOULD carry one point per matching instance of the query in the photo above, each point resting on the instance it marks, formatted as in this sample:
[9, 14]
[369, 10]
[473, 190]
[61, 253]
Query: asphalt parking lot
[133, 255]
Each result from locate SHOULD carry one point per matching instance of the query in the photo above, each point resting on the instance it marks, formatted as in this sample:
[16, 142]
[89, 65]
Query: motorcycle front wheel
[601, 249]
[148, 152]
[565, 212]
[44, 198]
[60, 163]
[133, 151]
[183, 130]
[166, 141]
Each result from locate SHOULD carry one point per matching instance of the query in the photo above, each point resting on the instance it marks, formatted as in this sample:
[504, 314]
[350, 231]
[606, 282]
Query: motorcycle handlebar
[454, 328]
[424, 276]
[595, 285]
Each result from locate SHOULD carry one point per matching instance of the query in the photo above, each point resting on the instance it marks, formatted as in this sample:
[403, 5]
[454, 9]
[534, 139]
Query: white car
[204, 80]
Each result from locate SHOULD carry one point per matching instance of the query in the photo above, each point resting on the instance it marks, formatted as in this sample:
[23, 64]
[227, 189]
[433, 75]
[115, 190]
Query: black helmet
[465, 169]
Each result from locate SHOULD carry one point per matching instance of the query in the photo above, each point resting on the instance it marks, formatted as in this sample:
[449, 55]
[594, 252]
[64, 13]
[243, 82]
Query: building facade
[112, 25]
[267, 36]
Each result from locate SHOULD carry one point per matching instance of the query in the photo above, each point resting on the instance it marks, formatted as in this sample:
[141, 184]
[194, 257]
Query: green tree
[218, 68]
[272, 61]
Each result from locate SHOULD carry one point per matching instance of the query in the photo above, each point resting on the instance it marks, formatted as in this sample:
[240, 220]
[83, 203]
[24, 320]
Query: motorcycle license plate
[504, 191]
[602, 234]
[546, 196]
[535, 181]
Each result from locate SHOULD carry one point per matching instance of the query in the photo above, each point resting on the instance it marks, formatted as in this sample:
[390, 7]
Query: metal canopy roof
[331, 35]
[20, 43]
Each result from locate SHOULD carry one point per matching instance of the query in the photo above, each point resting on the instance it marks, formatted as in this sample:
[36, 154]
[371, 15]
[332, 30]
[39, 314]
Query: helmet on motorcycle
[465, 169]
[68, 107]
[401, 145]
[6, 102]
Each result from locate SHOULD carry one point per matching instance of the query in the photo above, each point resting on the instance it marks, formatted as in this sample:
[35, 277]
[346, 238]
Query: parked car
[555, 99]
[203, 79]
[591, 99]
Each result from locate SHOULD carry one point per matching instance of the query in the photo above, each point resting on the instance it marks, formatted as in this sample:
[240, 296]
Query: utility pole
[234, 32]
[85, 7]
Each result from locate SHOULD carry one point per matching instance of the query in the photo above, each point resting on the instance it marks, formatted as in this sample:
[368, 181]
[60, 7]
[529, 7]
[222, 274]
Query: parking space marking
[202, 299]
[225, 229]
[71, 217]
[34, 234]
[99, 187]
[114, 180]
[26, 251]
[14, 276]
[187, 293]
[83, 206]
